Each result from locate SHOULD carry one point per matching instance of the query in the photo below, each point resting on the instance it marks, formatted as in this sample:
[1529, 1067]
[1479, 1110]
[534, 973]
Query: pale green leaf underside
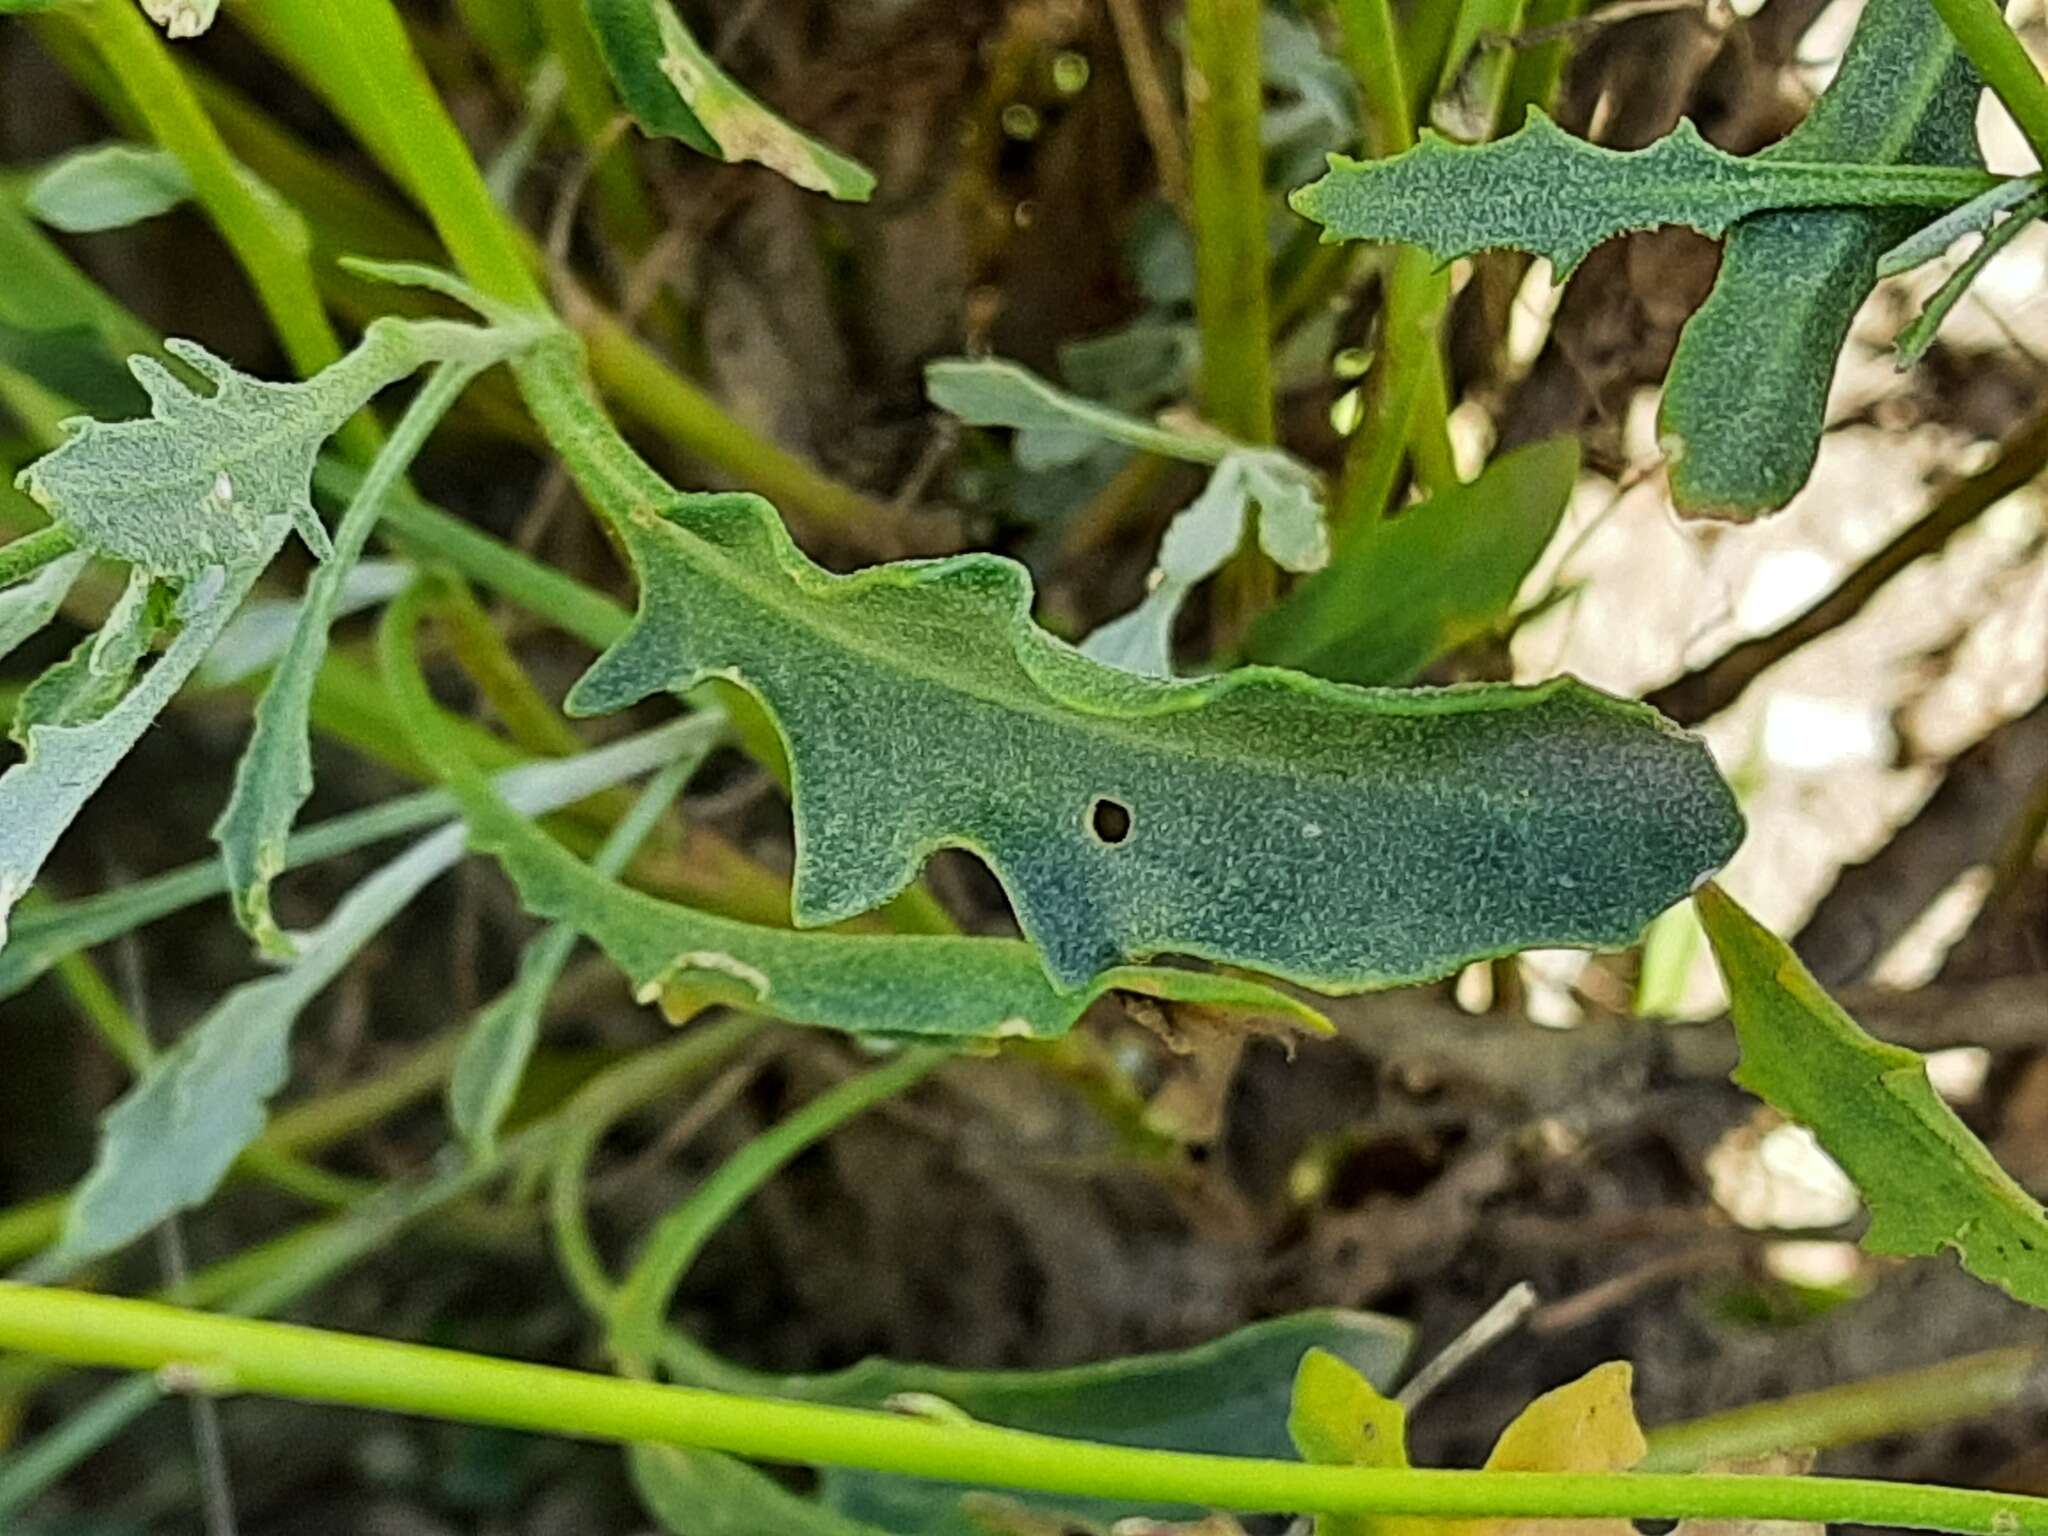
[1929, 1182]
[1340, 837]
[1548, 193]
[674, 87]
[66, 763]
[994, 392]
[173, 1136]
[1200, 541]
[110, 186]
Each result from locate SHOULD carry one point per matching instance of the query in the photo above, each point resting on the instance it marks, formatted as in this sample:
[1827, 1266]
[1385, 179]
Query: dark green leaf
[1747, 393]
[1229, 1397]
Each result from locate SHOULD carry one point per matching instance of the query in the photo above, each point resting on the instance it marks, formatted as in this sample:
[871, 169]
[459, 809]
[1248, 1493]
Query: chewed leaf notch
[1340, 837]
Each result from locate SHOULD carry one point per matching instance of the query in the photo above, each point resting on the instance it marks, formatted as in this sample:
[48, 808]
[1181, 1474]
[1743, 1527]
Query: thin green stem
[1416, 294]
[1229, 191]
[1980, 30]
[21, 558]
[1372, 52]
[1894, 1404]
[281, 274]
[315, 1365]
[641, 1305]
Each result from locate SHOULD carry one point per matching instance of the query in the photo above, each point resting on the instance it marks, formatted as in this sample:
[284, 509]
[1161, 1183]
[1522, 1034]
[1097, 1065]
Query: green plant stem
[594, 114]
[1229, 193]
[642, 1301]
[1408, 400]
[21, 558]
[1416, 295]
[141, 64]
[229, 1354]
[1980, 30]
[1225, 95]
[1894, 1404]
[1372, 52]
[336, 44]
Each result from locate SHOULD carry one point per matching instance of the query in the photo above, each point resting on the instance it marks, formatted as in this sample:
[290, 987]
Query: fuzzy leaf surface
[673, 86]
[1746, 398]
[1929, 1182]
[931, 986]
[196, 483]
[1339, 837]
[1552, 194]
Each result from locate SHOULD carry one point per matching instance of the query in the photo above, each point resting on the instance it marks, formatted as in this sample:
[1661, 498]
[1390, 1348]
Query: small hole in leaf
[1110, 821]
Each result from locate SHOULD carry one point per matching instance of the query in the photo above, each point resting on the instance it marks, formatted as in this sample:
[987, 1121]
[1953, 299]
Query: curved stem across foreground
[238, 1354]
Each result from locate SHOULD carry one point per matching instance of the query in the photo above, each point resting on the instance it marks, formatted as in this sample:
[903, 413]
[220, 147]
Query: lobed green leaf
[1551, 194]
[675, 88]
[1339, 837]
[1746, 397]
[1930, 1184]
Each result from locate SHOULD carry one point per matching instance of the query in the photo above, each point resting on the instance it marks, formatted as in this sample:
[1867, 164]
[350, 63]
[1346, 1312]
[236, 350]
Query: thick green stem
[2001, 58]
[1225, 95]
[314, 1365]
[1416, 294]
[1372, 52]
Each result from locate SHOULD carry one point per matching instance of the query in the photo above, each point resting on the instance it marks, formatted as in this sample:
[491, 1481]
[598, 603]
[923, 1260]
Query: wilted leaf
[1554, 195]
[1414, 587]
[1339, 1418]
[674, 87]
[1588, 1425]
[172, 1137]
[1929, 1182]
[1335, 836]
[1746, 397]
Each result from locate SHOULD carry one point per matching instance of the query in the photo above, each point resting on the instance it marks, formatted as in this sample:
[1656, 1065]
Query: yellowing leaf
[674, 87]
